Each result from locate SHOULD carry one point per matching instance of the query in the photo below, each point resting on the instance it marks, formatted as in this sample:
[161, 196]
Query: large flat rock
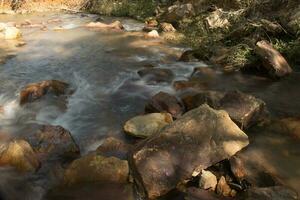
[197, 140]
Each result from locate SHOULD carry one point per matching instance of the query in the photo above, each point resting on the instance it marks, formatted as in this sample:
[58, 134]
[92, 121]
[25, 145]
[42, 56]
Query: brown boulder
[114, 147]
[156, 75]
[244, 109]
[211, 98]
[272, 60]
[200, 138]
[164, 102]
[20, 155]
[36, 91]
[97, 168]
[53, 142]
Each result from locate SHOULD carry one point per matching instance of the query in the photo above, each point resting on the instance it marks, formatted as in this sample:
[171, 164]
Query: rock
[20, 155]
[114, 147]
[244, 109]
[152, 23]
[156, 75]
[117, 25]
[185, 84]
[200, 138]
[35, 91]
[200, 194]
[208, 180]
[164, 102]
[223, 188]
[269, 193]
[153, 34]
[96, 168]
[147, 125]
[217, 19]
[53, 142]
[12, 33]
[211, 98]
[248, 168]
[177, 12]
[192, 56]
[167, 27]
[272, 60]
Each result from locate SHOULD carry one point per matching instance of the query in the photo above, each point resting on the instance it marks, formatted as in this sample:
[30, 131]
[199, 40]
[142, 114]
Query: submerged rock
[156, 75]
[147, 125]
[97, 168]
[35, 91]
[117, 25]
[272, 60]
[164, 102]
[208, 181]
[195, 141]
[113, 147]
[20, 155]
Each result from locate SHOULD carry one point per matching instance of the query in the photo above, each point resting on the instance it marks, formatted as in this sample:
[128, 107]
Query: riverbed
[101, 67]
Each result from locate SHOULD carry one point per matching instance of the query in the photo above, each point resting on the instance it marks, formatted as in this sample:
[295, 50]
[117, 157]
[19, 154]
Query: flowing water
[101, 68]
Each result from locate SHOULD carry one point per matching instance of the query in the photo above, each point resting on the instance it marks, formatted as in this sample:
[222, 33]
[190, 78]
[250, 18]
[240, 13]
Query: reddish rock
[35, 91]
[272, 60]
[164, 102]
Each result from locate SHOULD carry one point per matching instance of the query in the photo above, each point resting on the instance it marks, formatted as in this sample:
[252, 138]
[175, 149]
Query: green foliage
[139, 9]
[240, 56]
[290, 49]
